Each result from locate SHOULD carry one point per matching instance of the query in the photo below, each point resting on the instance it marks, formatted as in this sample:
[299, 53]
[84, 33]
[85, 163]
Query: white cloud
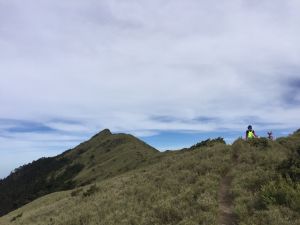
[118, 64]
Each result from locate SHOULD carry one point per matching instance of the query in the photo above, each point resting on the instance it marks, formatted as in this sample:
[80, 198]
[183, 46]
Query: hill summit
[103, 134]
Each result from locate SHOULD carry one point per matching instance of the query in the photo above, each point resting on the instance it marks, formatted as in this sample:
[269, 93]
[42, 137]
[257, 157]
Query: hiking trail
[226, 215]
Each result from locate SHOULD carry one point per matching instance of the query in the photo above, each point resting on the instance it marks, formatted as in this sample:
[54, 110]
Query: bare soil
[226, 215]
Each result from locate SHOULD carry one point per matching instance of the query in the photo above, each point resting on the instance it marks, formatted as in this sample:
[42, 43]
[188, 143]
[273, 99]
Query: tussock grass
[180, 187]
[262, 195]
[103, 156]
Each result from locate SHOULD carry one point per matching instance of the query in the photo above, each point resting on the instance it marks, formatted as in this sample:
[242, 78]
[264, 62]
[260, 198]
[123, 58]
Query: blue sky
[170, 72]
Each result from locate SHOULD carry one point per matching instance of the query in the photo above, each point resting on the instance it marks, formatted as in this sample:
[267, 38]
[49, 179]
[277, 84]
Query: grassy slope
[182, 188]
[104, 155]
[262, 194]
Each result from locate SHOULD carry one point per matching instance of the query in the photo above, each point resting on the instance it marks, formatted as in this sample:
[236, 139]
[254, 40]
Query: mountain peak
[103, 134]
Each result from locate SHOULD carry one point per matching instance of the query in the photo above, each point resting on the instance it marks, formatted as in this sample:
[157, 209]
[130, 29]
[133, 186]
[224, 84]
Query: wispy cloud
[292, 95]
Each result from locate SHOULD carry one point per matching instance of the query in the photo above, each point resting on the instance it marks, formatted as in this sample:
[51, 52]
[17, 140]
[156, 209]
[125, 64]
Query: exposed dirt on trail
[226, 215]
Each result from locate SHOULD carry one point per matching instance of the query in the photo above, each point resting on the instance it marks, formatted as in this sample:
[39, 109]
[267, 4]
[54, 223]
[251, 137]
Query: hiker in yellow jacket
[250, 133]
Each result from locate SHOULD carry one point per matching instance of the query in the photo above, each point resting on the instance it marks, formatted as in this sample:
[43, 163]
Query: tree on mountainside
[34, 180]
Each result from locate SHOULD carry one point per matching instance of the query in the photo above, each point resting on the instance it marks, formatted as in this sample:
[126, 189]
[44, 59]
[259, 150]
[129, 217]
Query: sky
[171, 72]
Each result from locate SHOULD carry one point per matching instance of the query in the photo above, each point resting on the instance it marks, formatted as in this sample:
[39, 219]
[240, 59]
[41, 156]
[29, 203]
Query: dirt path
[226, 215]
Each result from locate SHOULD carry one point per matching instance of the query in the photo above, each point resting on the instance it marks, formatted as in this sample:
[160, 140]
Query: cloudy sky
[171, 72]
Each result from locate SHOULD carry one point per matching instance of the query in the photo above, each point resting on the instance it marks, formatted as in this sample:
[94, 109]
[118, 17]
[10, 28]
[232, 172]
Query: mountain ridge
[98, 158]
[260, 179]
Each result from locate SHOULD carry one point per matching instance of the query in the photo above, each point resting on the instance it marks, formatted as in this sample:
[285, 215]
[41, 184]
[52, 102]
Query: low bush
[16, 217]
[290, 168]
[280, 192]
[76, 192]
[92, 190]
[208, 143]
[261, 143]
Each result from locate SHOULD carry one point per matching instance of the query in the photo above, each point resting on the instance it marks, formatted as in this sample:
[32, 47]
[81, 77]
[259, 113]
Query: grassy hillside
[181, 187]
[266, 181]
[104, 155]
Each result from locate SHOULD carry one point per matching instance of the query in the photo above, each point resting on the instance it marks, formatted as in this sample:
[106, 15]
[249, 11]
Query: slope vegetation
[177, 188]
[254, 182]
[104, 155]
[266, 181]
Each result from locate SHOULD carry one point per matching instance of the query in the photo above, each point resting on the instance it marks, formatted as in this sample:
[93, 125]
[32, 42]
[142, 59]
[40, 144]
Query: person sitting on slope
[250, 133]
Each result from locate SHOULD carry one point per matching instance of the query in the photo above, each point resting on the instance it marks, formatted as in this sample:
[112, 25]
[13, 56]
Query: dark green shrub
[280, 192]
[92, 190]
[208, 143]
[291, 169]
[16, 217]
[76, 192]
[259, 142]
